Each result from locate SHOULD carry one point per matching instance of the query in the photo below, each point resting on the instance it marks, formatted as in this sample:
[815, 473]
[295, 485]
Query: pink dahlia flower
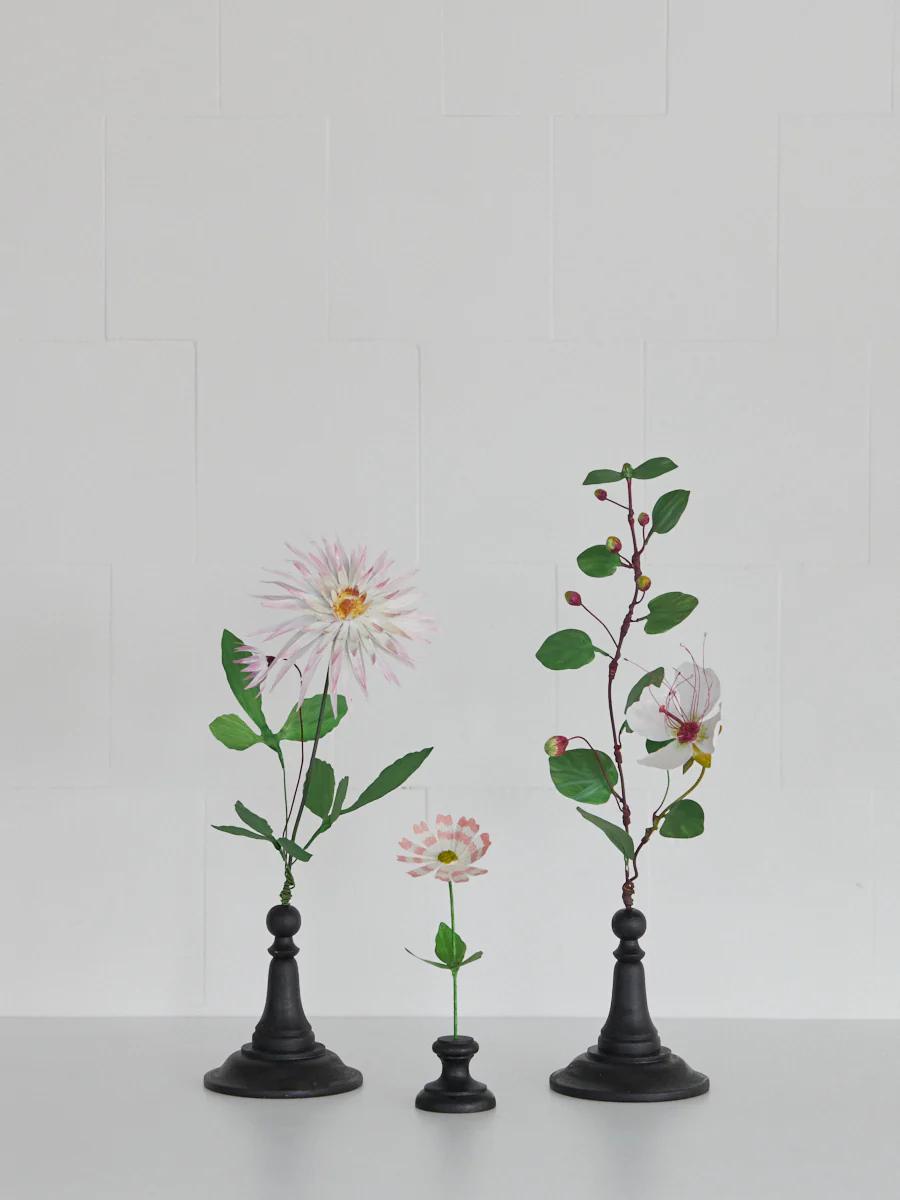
[342, 609]
[450, 852]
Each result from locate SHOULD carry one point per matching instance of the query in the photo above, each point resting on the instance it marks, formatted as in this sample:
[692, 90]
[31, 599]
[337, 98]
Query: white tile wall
[404, 272]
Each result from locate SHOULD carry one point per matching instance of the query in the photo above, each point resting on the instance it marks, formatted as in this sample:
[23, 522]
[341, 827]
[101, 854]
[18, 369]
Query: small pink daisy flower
[450, 852]
[254, 663]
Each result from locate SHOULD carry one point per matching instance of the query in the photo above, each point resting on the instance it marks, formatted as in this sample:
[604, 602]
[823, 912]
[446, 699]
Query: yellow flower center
[447, 856]
[349, 603]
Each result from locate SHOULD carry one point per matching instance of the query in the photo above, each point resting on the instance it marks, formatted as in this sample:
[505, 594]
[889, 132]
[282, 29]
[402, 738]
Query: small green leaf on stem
[654, 467]
[449, 946]
[619, 838]
[683, 820]
[578, 775]
[667, 511]
[240, 832]
[233, 732]
[652, 746]
[430, 961]
[340, 796]
[319, 787]
[653, 678]
[472, 958]
[293, 849]
[668, 610]
[290, 730]
[566, 650]
[603, 476]
[233, 664]
[257, 823]
[391, 777]
[598, 561]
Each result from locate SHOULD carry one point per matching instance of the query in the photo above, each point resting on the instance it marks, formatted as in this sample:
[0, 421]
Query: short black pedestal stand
[455, 1091]
[628, 1063]
[283, 1060]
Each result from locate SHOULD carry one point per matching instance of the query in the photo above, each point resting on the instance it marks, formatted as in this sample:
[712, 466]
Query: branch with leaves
[676, 712]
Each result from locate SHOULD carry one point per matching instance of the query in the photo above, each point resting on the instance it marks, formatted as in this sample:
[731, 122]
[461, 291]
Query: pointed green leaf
[290, 730]
[239, 832]
[579, 775]
[449, 946]
[653, 678]
[293, 849]
[318, 788]
[619, 838]
[472, 958]
[684, 820]
[668, 610]
[566, 650]
[391, 777]
[654, 467]
[233, 732]
[233, 663]
[652, 746]
[598, 562]
[603, 476]
[340, 796]
[257, 823]
[430, 961]
[667, 511]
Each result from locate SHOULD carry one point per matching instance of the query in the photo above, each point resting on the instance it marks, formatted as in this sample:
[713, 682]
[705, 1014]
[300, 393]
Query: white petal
[669, 757]
[646, 719]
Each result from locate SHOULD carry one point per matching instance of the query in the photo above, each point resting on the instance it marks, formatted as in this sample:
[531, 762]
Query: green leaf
[257, 823]
[652, 746]
[248, 698]
[290, 730]
[684, 820]
[653, 678]
[578, 775]
[619, 838]
[430, 961]
[472, 958]
[391, 777]
[598, 562]
[667, 511]
[449, 946]
[566, 650]
[668, 610]
[339, 797]
[238, 831]
[603, 476]
[654, 467]
[318, 788]
[233, 732]
[293, 849]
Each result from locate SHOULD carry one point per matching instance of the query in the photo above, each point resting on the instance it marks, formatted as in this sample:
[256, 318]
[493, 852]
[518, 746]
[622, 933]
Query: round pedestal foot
[282, 1077]
[455, 1091]
[663, 1076]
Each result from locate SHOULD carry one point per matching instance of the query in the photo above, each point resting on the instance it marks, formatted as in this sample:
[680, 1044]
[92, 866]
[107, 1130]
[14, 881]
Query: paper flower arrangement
[450, 854]
[341, 613]
[674, 712]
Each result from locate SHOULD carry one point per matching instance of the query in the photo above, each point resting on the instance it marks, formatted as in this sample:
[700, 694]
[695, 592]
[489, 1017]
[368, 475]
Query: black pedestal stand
[455, 1091]
[628, 1062]
[283, 1060]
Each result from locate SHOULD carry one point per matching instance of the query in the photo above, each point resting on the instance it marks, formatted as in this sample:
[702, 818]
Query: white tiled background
[405, 271]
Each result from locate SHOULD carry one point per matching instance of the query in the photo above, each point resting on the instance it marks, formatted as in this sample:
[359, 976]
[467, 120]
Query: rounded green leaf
[318, 789]
[603, 476]
[684, 820]
[295, 730]
[233, 732]
[654, 467]
[579, 775]
[667, 511]
[668, 610]
[449, 946]
[616, 834]
[566, 650]
[598, 562]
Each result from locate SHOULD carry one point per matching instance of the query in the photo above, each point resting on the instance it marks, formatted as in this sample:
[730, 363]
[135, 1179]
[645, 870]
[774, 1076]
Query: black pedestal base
[663, 1076]
[282, 1077]
[455, 1091]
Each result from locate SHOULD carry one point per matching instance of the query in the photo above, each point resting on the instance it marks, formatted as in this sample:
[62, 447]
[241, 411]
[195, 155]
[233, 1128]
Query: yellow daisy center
[349, 602]
[447, 856]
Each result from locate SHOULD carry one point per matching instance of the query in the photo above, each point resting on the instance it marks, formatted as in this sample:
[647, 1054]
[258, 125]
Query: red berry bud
[601, 493]
[573, 598]
[555, 746]
[643, 518]
[643, 582]
[614, 544]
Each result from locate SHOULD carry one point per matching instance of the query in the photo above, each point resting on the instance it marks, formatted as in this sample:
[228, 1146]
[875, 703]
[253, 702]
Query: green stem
[455, 970]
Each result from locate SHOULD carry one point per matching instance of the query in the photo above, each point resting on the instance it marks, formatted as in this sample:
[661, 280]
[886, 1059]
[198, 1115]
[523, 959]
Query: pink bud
[643, 582]
[643, 518]
[556, 745]
[573, 598]
[601, 493]
[613, 544]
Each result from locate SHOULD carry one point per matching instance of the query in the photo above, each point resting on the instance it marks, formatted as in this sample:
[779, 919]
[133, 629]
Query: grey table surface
[95, 1108]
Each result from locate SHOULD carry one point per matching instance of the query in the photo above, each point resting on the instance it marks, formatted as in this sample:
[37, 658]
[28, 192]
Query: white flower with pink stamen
[450, 851]
[342, 609]
[684, 713]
